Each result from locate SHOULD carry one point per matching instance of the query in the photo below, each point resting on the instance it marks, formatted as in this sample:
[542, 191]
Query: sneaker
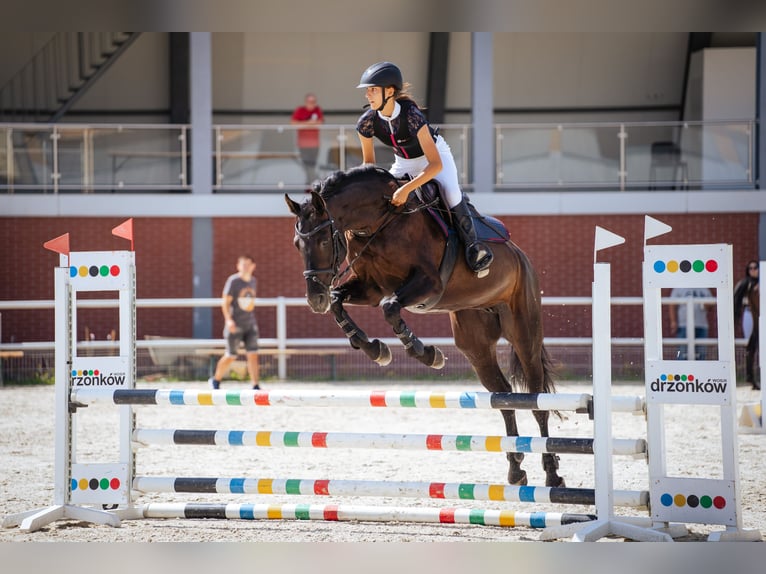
[213, 383]
[256, 387]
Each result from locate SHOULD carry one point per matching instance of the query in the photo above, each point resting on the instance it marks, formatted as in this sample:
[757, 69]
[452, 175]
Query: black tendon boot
[477, 254]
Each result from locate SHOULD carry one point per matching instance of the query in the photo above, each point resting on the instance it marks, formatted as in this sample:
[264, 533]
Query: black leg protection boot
[477, 254]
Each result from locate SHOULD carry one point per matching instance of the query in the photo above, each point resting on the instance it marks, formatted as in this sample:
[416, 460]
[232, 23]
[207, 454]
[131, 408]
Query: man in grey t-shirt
[240, 326]
[678, 322]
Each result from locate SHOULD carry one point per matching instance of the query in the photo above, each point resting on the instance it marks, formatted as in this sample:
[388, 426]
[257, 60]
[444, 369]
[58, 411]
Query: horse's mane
[336, 181]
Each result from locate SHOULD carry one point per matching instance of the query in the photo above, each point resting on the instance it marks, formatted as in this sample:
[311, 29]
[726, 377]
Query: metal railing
[94, 157]
[84, 158]
[625, 155]
[283, 341]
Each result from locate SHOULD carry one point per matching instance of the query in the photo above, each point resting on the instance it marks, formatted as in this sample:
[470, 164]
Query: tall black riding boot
[477, 254]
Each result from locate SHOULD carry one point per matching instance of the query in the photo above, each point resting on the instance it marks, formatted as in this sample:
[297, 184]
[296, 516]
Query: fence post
[281, 337]
[622, 136]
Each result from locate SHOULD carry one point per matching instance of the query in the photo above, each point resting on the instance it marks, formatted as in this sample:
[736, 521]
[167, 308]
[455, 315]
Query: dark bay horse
[393, 257]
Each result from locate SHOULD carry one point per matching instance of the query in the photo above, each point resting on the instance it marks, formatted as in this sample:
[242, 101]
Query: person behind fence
[747, 308]
[678, 319]
[240, 325]
[395, 119]
[309, 114]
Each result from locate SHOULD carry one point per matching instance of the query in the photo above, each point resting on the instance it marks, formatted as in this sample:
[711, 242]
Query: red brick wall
[560, 247]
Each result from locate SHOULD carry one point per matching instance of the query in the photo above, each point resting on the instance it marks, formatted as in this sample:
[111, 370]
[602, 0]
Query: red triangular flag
[60, 244]
[125, 230]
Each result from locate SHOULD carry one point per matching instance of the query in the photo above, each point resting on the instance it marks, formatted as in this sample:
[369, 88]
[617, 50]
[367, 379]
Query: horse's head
[356, 201]
[321, 245]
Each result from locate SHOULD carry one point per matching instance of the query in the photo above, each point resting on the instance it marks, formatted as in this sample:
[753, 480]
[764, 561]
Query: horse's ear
[319, 205]
[294, 206]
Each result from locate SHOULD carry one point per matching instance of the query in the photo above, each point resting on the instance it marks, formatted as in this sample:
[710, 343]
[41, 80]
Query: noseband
[338, 248]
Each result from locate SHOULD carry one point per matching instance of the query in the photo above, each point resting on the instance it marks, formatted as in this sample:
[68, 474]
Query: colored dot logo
[86, 373]
[693, 501]
[94, 271]
[676, 378]
[685, 266]
[95, 483]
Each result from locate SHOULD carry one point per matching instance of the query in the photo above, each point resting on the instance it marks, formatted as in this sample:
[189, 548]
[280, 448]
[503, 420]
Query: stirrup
[479, 258]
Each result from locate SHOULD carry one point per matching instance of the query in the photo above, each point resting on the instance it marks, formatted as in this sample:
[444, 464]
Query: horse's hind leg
[530, 366]
[476, 334]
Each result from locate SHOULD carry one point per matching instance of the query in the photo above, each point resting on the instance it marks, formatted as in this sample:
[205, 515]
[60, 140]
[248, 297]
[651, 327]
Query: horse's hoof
[438, 360]
[517, 478]
[557, 482]
[384, 354]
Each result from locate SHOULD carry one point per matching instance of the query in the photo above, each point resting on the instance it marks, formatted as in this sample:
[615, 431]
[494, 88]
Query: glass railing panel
[556, 156]
[129, 158]
[689, 154]
[258, 157]
[83, 159]
[26, 160]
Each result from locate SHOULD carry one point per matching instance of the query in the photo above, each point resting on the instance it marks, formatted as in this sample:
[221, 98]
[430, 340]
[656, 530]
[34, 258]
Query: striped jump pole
[81, 396]
[436, 442]
[389, 489]
[349, 513]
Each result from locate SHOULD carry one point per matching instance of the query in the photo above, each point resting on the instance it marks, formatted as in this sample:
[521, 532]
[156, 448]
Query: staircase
[59, 74]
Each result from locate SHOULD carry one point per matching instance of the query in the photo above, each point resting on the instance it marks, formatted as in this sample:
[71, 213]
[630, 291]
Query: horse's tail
[519, 379]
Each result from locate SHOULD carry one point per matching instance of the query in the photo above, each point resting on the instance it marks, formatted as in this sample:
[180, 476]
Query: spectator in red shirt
[309, 114]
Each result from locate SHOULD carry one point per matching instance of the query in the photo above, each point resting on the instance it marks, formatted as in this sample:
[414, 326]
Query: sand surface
[27, 455]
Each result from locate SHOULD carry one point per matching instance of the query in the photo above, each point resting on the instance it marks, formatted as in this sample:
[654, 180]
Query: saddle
[488, 229]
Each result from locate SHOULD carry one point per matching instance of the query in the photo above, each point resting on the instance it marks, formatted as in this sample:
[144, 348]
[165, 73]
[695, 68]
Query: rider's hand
[400, 197]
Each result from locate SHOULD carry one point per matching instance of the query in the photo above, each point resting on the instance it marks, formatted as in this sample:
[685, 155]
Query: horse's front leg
[376, 349]
[410, 294]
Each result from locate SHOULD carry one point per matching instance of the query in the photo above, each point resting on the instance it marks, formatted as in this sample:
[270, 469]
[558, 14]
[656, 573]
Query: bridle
[340, 248]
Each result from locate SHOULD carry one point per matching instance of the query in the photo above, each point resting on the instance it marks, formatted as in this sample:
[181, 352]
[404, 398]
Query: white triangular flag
[654, 228]
[604, 239]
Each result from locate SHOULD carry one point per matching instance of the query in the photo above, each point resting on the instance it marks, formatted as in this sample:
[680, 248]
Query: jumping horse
[393, 258]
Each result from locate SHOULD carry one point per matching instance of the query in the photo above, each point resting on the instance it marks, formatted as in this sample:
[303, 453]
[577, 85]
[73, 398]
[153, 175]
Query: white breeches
[447, 177]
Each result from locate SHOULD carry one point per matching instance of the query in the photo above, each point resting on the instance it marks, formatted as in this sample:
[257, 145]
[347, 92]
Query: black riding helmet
[382, 74]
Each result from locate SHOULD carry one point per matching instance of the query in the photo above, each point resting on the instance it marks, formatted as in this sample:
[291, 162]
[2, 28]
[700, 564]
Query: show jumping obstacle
[80, 488]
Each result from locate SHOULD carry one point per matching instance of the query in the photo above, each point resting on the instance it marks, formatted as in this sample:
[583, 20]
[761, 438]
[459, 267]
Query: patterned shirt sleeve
[364, 124]
[415, 119]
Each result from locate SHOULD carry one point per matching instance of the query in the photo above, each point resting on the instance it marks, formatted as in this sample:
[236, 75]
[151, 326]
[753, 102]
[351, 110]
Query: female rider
[395, 119]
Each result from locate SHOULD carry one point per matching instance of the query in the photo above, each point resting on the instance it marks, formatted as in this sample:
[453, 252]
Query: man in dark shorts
[240, 326]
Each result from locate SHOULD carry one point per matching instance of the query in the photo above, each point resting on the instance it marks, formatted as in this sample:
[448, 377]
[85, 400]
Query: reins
[392, 213]
[338, 241]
